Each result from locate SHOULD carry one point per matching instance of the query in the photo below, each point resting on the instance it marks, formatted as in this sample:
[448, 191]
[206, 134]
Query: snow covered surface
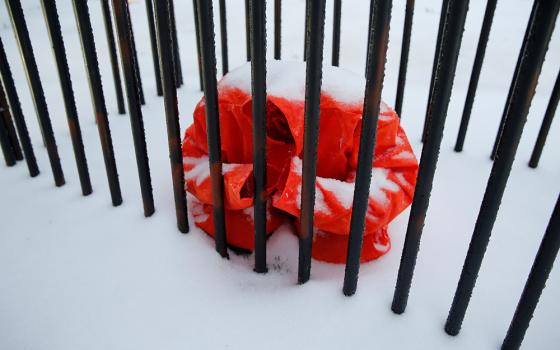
[76, 273]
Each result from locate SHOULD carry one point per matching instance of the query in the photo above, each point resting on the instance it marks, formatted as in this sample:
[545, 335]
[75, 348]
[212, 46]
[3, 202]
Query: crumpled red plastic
[394, 171]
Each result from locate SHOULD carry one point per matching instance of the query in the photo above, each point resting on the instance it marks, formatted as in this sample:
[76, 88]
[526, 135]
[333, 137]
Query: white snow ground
[79, 274]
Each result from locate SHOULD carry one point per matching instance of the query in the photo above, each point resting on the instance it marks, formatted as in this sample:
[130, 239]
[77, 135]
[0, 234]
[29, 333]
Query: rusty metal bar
[407, 31]
[122, 20]
[377, 52]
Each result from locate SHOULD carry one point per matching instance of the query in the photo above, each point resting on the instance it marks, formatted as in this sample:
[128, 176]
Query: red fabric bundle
[393, 174]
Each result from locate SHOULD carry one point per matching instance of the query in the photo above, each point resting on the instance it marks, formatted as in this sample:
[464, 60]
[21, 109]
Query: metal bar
[59, 52]
[370, 18]
[34, 80]
[206, 21]
[531, 63]
[135, 62]
[5, 142]
[313, 77]
[113, 54]
[452, 35]
[176, 52]
[376, 56]
[171, 112]
[475, 75]
[511, 87]
[336, 32]
[536, 282]
[258, 87]
[547, 122]
[154, 45]
[409, 13]
[9, 125]
[306, 30]
[122, 20]
[197, 34]
[247, 30]
[17, 113]
[223, 36]
[87, 41]
[444, 5]
[277, 29]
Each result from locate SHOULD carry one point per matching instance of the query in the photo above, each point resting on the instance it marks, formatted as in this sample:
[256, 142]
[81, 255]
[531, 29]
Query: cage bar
[154, 45]
[277, 29]
[258, 88]
[206, 21]
[9, 125]
[306, 33]
[546, 123]
[409, 13]
[176, 53]
[529, 69]
[451, 38]
[135, 62]
[171, 112]
[336, 32]
[247, 30]
[57, 43]
[34, 80]
[512, 86]
[548, 250]
[313, 77]
[444, 6]
[197, 34]
[15, 107]
[113, 54]
[223, 36]
[5, 142]
[377, 51]
[87, 40]
[122, 20]
[475, 75]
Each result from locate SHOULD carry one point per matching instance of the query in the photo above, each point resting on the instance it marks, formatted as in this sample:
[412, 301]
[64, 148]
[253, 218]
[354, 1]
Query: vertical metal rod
[34, 80]
[376, 57]
[17, 113]
[529, 70]
[511, 87]
[247, 30]
[548, 250]
[313, 77]
[135, 62]
[409, 13]
[154, 45]
[59, 52]
[9, 125]
[546, 123]
[5, 142]
[113, 54]
[336, 32]
[258, 87]
[452, 35]
[198, 53]
[370, 18]
[171, 112]
[444, 5]
[477, 66]
[87, 41]
[223, 36]
[277, 29]
[306, 31]
[122, 20]
[206, 21]
[176, 52]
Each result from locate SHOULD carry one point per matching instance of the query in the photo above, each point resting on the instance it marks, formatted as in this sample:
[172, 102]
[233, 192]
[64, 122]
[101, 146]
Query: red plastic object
[394, 171]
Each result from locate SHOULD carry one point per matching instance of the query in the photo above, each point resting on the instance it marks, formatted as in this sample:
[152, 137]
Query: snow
[76, 273]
